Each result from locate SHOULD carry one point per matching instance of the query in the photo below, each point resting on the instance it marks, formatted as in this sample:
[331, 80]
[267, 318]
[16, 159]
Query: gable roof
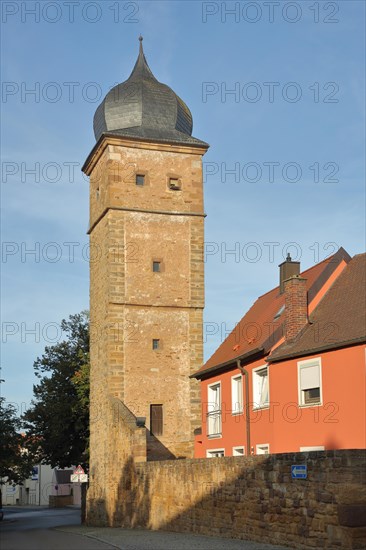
[338, 320]
[63, 476]
[262, 326]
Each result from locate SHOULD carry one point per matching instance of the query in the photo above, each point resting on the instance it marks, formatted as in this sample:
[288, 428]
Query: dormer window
[279, 312]
[174, 184]
[140, 179]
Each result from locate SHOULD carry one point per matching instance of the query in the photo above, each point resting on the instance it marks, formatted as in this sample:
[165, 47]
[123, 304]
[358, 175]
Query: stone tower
[146, 268]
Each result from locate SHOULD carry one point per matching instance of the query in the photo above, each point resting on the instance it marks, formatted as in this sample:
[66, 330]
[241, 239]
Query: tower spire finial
[141, 39]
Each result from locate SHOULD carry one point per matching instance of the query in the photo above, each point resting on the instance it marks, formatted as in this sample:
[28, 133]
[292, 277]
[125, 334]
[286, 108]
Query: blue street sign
[299, 471]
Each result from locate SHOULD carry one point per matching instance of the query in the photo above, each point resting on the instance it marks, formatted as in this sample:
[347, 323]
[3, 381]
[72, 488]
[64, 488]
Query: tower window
[97, 193]
[174, 183]
[155, 344]
[140, 179]
[156, 266]
[156, 419]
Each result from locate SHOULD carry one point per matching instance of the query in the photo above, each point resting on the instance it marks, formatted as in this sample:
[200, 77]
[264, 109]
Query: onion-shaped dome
[143, 107]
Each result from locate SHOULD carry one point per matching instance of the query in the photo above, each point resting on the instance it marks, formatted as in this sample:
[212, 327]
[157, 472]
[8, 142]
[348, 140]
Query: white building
[43, 482]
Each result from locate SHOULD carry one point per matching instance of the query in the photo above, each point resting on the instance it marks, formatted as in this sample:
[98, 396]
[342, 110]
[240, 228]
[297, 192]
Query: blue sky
[292, 130]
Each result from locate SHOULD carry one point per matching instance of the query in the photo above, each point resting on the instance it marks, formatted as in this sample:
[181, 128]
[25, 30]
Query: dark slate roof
[143, 107]
[63, 476]
[339, 319]
[151, 134]
[262, 326]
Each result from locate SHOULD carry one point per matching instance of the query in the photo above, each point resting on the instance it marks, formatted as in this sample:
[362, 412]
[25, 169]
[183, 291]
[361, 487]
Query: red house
[291, 376]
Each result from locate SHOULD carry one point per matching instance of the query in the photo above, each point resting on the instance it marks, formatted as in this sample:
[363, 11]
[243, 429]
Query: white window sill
[215, 436]
[236, 413]
[261, 407]
[308, 405]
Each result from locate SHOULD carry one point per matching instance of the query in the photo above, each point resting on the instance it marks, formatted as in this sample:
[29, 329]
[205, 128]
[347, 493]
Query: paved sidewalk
[140, 539]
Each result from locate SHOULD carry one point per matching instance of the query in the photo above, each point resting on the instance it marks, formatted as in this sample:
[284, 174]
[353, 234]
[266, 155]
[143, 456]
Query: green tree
[15, 462]
[57, 422]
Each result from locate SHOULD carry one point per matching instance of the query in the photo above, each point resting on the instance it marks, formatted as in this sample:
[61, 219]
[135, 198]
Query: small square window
[216, 453]
[156, 266]
[155, 344]
[174, 184]
[262, 449]
[310, 449]
[140, 179]
[238, 451]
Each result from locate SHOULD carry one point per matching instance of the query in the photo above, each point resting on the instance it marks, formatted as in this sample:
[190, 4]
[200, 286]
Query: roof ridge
[323, 315]
[338, 281]
[326, 260]
[320, 273]
[358, 255]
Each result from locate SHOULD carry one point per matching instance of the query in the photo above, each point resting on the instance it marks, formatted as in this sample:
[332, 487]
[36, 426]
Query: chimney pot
[288, 268]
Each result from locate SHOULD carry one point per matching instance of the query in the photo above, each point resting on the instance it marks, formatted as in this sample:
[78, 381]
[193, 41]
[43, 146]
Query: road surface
[41, 528]
[28, 528]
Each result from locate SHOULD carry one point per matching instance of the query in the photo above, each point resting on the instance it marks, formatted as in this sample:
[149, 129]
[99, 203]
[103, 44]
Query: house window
[315, 448]
[140, 179]
[260, 388]
[156, 419]
[215, 453]
[156, 266]
[174, 183]
[262, 449]
[309, 381]
[155, 344]
[214, 410]
[237, 394]
[238, 451]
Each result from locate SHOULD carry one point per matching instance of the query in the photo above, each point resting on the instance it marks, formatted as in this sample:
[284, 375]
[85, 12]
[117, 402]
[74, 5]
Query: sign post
[79, 476]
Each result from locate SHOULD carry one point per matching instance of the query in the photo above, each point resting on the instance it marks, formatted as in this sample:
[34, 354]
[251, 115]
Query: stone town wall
[128, 445]
[248, 498]
[59, 501]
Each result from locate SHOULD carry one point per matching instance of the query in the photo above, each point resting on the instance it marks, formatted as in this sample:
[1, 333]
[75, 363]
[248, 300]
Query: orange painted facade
[286, 426]
[303, 387]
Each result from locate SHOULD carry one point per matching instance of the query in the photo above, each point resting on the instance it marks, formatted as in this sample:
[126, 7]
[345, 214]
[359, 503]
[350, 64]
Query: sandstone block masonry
[246, 498]
[132, 305]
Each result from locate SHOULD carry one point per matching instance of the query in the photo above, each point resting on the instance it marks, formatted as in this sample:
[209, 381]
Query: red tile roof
[338, 320]
[258, 331]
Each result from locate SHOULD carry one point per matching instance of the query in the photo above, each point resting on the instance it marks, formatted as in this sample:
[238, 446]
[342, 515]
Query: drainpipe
[245, 374]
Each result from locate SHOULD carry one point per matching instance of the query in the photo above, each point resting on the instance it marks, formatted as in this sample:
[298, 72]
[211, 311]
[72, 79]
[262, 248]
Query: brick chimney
[296, 306]
[288, 268]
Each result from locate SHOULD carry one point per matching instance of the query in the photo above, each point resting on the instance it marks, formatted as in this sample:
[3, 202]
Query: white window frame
[235, 449]
[210, 451]
[303, 364]
[237, 407]
[255, 404]
[261, 446]
[212, 418]
[309, 449]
